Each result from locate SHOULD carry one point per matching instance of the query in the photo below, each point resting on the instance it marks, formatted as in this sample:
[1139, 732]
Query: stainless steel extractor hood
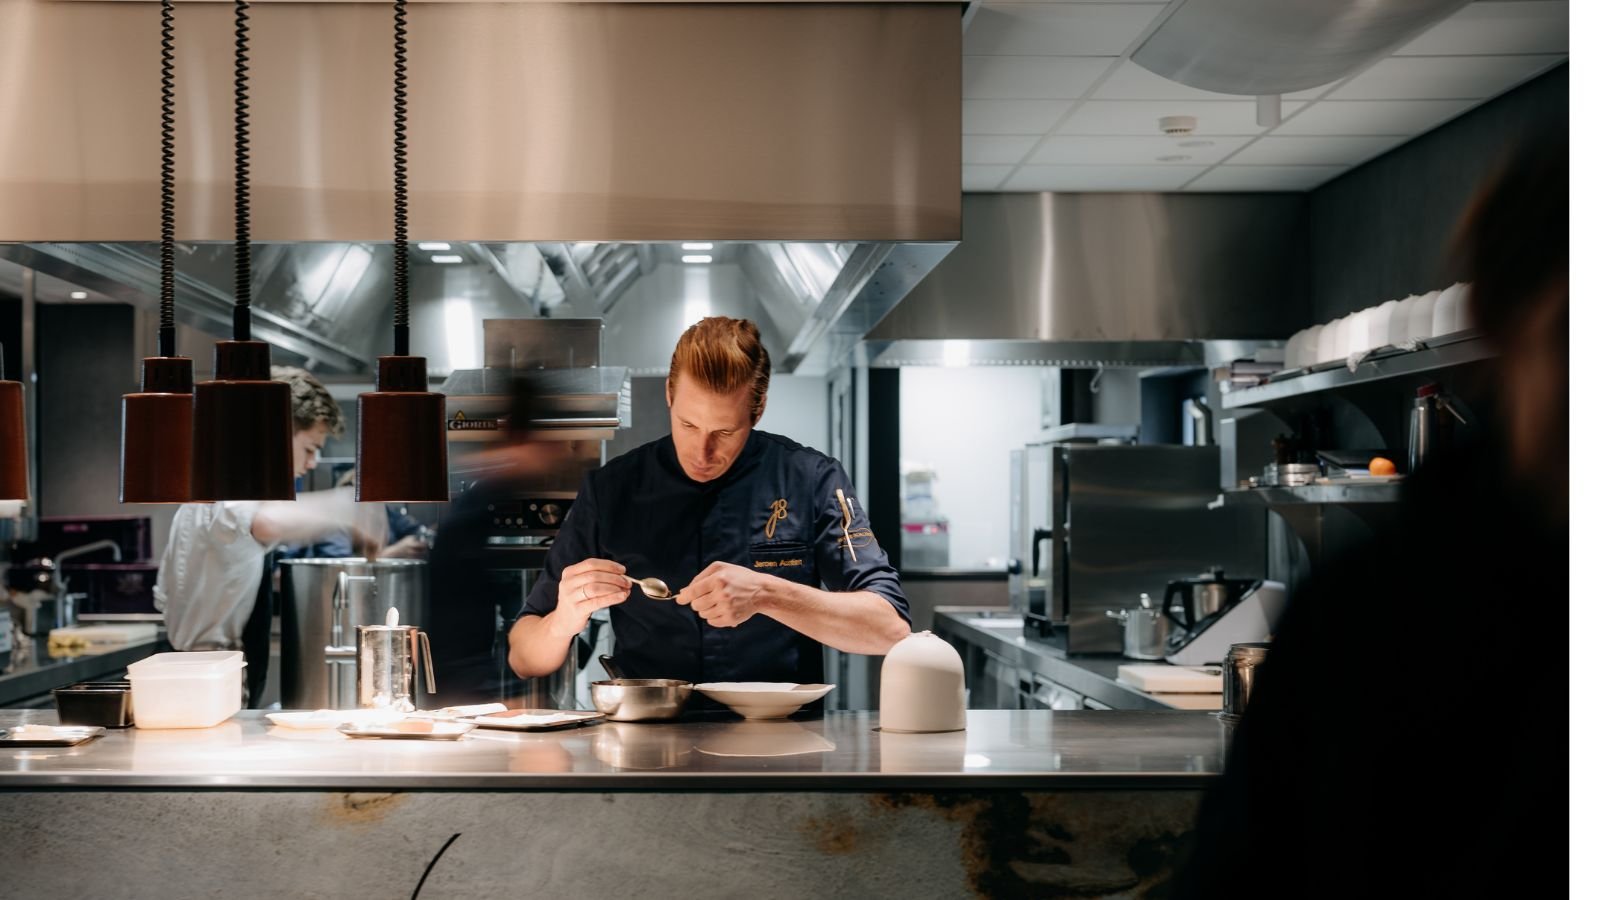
[1090, 280]
[815, 146]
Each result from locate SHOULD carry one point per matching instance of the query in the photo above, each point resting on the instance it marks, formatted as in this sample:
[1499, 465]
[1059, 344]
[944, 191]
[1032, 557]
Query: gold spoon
[654, 588]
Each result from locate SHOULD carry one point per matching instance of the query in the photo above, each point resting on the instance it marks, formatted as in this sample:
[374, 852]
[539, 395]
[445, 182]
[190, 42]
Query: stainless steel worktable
[30, 672]
[1022, 803]
[1093, 676]
[1013, 749]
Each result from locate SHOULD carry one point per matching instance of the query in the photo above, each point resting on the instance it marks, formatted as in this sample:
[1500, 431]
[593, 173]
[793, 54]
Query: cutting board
[1160, 679]
[102, 635]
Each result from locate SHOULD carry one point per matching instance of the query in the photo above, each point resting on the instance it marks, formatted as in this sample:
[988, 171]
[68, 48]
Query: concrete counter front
[1024, 802]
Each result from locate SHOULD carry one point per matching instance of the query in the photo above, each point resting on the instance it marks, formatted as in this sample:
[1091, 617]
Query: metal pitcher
[386, 666]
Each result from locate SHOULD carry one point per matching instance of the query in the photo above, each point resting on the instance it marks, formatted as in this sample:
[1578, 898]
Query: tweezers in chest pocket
[786, 559]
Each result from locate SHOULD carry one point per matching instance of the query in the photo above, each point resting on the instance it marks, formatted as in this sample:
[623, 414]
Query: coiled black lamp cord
[241, 171]
[168, 334]
[402, 286]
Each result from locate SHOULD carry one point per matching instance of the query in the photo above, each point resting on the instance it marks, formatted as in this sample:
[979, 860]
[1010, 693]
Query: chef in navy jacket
[767, 547]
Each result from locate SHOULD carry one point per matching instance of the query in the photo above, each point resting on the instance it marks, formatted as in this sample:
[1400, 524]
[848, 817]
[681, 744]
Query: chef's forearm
[535, 649]
[854, 622]
[311, 516]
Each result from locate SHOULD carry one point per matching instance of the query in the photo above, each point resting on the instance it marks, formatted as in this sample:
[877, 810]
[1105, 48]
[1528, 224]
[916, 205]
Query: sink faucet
[66, 613]
[107, 544]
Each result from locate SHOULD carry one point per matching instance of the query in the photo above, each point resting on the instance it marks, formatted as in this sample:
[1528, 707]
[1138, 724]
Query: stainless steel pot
[1144, 632]
[325, 601]
[1238, 678]
[640, 699]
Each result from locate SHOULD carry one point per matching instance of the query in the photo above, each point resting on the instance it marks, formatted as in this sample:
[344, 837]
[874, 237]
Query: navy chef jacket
[775, 510]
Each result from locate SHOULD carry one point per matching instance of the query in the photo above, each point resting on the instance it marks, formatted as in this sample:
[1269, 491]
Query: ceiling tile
[1139, 117]
[1524, 27]
[1442, 77]
[1102, 178]
[1029, 77]
[1273, 150]
[983, 178]
[994, 149]
[1087, 150]
[1265, 178]
[1059, 29]
[1351, 117]
[1011, 116]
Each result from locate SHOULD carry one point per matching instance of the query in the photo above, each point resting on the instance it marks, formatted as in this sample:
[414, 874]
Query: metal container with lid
[1289, 474]
[1144, 630]
[1238, 678]
[325, 602]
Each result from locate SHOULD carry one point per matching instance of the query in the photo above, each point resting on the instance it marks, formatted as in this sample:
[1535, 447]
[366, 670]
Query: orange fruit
[1381, 466]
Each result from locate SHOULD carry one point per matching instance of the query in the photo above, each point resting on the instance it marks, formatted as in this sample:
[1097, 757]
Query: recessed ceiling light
[79, 295]
[1197, 143]
[433, 245]
[451, 258]
[1173, 157]
[701, 245]
[697, 258]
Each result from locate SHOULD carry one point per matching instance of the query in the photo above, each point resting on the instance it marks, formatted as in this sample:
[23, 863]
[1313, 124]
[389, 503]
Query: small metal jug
[386, 657]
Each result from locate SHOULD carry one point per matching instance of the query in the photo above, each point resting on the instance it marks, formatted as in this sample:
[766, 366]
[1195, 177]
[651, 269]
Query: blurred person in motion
[214, 584]
[472, 594]
[1391, 746]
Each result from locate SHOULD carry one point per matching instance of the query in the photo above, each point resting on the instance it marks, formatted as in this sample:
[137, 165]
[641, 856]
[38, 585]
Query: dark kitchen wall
[86, 363]
[1381, 232]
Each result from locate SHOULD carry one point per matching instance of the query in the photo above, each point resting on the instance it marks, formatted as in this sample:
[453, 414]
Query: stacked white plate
[1392, 324]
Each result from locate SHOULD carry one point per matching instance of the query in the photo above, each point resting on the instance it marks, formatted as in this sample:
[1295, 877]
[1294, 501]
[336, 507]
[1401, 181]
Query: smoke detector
[1178, 126]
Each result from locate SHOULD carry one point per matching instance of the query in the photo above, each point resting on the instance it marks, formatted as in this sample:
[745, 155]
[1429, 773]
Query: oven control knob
[550, 514]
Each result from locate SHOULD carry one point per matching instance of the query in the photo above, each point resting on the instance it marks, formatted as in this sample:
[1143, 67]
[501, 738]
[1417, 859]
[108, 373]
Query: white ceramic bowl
[1400, 320]
[1447, 316]
[1328, 342]
[1419, 324]
[1309, 349]
[1382, 323]
[1341, 337]
[763, 699]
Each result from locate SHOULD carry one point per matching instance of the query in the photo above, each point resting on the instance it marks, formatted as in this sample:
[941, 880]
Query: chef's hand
[408, 547]
[364, 544]
[585, 587]
[725, 595]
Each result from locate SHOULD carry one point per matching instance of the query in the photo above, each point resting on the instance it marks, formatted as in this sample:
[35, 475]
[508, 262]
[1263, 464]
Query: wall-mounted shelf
[1336, 494]
[1434, 355]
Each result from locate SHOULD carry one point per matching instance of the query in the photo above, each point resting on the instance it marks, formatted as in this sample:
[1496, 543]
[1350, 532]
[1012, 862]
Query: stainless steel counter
[1011, 749]
[1001, 634]
[31, 671]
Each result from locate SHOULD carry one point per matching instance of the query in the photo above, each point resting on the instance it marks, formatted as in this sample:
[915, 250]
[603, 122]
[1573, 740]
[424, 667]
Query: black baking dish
[107, 703]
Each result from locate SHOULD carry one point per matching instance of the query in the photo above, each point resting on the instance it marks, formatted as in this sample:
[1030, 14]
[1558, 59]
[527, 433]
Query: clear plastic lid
[187, 665]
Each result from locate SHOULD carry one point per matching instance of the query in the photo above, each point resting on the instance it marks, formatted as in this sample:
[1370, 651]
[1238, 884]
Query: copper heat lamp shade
[243, 436]
[400, 449]
[158, 433]
[13, 442]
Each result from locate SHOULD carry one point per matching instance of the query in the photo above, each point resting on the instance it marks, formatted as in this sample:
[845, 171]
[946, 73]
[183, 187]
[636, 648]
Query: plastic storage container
[186, 690]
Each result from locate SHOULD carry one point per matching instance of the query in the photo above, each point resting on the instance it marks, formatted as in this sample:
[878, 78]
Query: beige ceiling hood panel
[529, 122]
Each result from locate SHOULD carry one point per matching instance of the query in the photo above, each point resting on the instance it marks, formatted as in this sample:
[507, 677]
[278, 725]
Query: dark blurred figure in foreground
[1400, 740]
[471, 598]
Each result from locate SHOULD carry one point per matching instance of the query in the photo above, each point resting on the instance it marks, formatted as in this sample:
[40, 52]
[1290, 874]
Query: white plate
[441, 731]
[763, 699]
[304, 720]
